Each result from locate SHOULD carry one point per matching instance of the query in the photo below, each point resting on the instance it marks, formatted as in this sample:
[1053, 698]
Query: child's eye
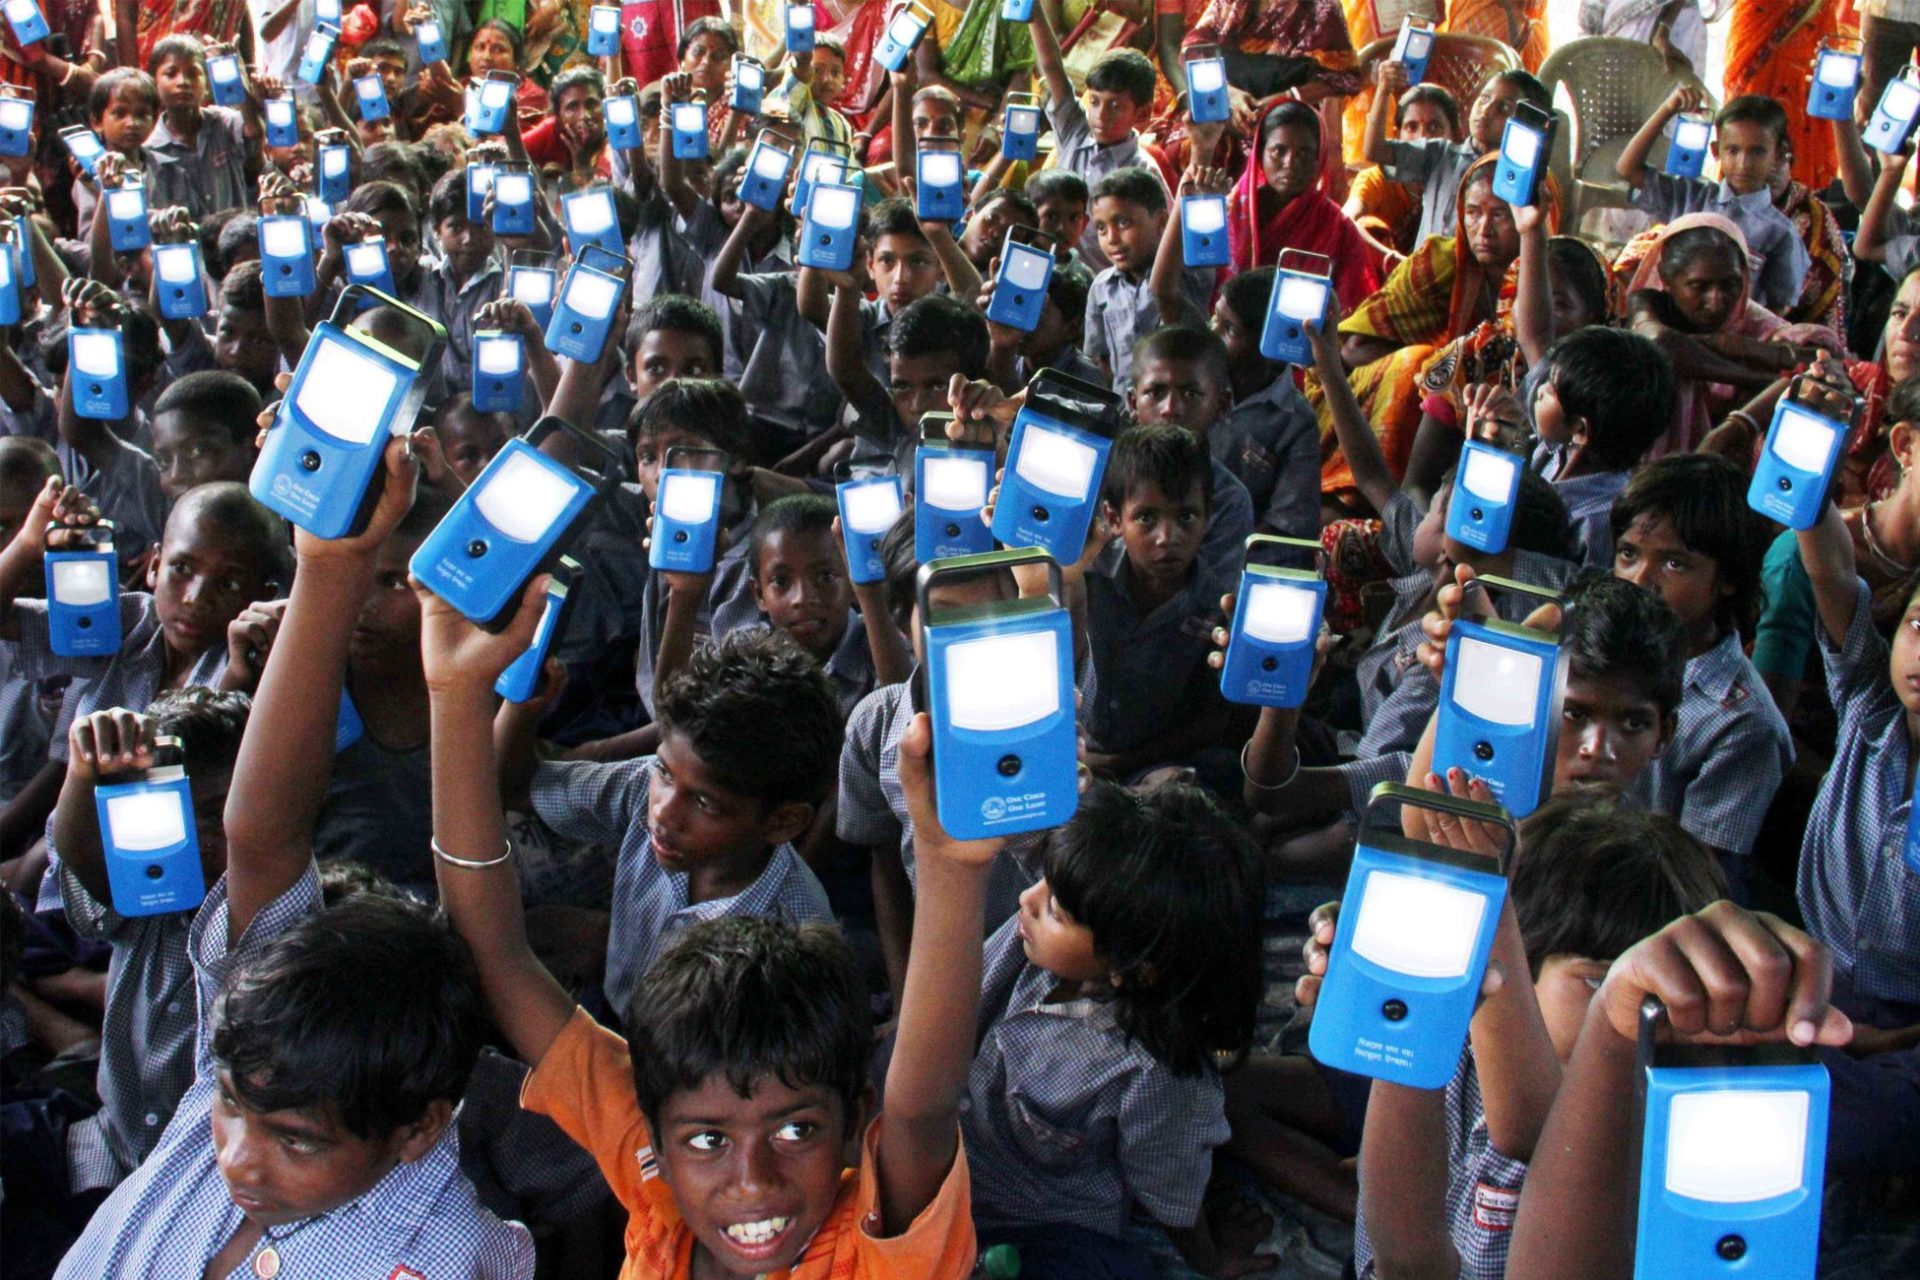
[795, 1131]
[707, 1141]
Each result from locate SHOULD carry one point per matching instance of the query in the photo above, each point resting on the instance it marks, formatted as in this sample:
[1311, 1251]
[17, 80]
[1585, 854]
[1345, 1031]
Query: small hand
[250, 640]
[109, 742]
[1314, 951]
[458, 653]
[916, 780]
[1392, 79]
[1685, 98]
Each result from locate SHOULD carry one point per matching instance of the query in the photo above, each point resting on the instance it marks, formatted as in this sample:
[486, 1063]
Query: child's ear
[1901, 438]
[1581, 431]
[787, 823]
[153, 567]
[418, 1138]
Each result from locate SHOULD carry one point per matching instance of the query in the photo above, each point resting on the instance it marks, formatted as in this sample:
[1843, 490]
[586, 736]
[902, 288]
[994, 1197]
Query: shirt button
[173, 1006]
[153, 1117]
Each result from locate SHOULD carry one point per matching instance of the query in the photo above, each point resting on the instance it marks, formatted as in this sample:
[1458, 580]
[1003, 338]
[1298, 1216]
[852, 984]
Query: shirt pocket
[1041, 1140]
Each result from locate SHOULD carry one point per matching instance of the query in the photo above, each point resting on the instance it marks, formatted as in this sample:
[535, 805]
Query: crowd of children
[380, 903]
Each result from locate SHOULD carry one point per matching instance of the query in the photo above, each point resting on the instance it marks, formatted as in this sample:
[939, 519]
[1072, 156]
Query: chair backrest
[1461, 63]
[1614, 85]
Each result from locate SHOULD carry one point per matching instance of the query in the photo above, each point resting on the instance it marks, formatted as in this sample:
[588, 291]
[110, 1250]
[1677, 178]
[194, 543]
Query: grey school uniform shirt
[1439, 165]
[1148, 672]
[1779, 258]
[1122, 310]
[1271, 443]
[1075, 151]
[206, 175]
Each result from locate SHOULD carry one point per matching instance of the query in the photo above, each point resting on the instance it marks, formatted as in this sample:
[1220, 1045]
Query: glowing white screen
[1804, 442]
[605, 20]
[1416, 926]
[954, 484]
[832, 207]
[279, 112]
[533, 286]
[1737, 1145]
[1497, 684]
[225, 70]
[1489, 475]
[690, 498]
[498, 355]
[523, 498]
[333, 160]
[1204, 214]
[592, 213]
[1026, 268]
[345, 392]
[513, 188]
[1056, 463]
[127, 204]
[82, 582]
[871, 508]
[1839, 72]
[96, 353]
[592, 295]
[997, 683]
[1301, 298]
[15, 113]
[1900, 100]
[1280, 613]
[1206, 75]
[771, 163]
[369, 88]
[939, 168]
[1521, 146]
[689, 117]
[283, 237]
[620, 110]
[1023, 120]
[175, 263]
[367, 259]
[142, 820]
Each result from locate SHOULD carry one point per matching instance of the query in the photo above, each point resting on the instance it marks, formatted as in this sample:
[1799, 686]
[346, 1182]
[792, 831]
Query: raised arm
[1631, 167]
[1390, 81]
[20, 560]
[1827, 552]
[106, 742]
[1870, 241]
[1360, 446]
[677, 86]
[1533, 296]
[1856, 170]
[726, 267]
[1170, 262]
[845, 364]
[963, 278]
[1046, 54]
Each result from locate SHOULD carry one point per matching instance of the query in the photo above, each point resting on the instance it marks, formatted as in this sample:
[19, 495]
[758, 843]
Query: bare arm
[1533, 297]
[1631, 167]
[1390, 81]
[892, 658]
[675, 87]
[963, 278]
[845, 365]
[1361, 447]
[1169, 29]
[726, 267]
[1827, 552]
[1046, 54]
[1870, 241]
[1856, 170]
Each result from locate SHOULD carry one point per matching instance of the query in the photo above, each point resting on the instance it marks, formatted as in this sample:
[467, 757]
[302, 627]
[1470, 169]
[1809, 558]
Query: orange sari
[1770, 51]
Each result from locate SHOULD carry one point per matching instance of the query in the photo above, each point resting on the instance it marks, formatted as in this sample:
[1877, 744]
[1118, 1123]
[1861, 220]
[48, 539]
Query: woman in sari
[1770, 51]
[1823, 298]
[1278, 205]
[496, 47]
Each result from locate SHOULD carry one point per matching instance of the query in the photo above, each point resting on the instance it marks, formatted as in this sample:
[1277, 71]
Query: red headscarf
[1259, 226]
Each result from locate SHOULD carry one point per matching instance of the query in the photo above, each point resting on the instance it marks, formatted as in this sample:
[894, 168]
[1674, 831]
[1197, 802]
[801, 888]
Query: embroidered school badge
[406, 1273]
[649, 1164]
[1494, 1207]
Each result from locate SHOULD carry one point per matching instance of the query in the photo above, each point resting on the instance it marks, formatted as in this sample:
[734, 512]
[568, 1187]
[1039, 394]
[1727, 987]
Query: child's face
[209, 788]
[698, 825]
[934, 118]
[918, 384]
[650, 455]
[1241, 341]
[1111, 115]
[1565, 988]
[1052, 335]
[904, 270]
[374, 132]
[16, 499]
[489, 51]
[1651, 556]
[466, 244]
[191, 449]
[1610, 730]
[200, 583]
[386, 635]
[986, 230]
[708, 59]
[1183, 392]
[1903, 662]
[801, 585]
[1424, 120]
[1290, 158]
[1064, 220]
[1550, 416]
[392, 70]
[1162, 533]
[1491, 111]
[669, 353]
[182, 83]
[402, 230]
[242, 345]
[469, 439]
[1055, 941]
[128, 119]
[1570, 309]
[1129, 233]
[754, 1178]
[1747, 152]
[829, 74]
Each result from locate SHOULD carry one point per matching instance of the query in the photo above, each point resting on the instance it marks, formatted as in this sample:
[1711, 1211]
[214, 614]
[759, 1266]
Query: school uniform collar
[761, 898]
[165, 137]
[849, 657]
[1273, 393]
[1716, 672]
[442, 270]
[1752, 202]
[1191, 597]
[1030, 996]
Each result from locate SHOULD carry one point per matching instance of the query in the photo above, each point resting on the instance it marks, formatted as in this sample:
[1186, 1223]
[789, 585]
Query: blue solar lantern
[749, 82]
[318, 211]
[591, 220]
[371, 93]
[283, 125]
[1892, 121]
[687, 123]
[686, 515]
[523, 679]
[83, 592]
[97, 373]
[823, 159]
[868, 508]
[1486, 491]
[530, 280]
[513, 523]
[322, 467]
[480, 180]
[499, 371]
[951, 480]
[1203, 231]
[179, 280]
[603, 31]
[431, 39]
[513, 199]
[29, 24]
[621, 111]
[1835, 81]
[1410, 949]
[1526, 149]
[1805, 442]
[367, 264]
[1687, 149]
[800, 32]
[11, 253]
[333, 172]
[1016, 10]
[149, 836]
[1499, 716]
[1413, 48]
[226, 80]
[902, 35]
[1055, 462]
[493, 103]
[1020, 286]
[1732, 1159]
[317, 53]
[1300, 297]
[998, 684]
[764, 176]
[940, 180]
[348, 727]
[127, 216]
[1276, 623]
[16, 126]
[1207, 87]
[831, 227]
[589, 297]
[1020, 131]
[286, 254]
[84, 145]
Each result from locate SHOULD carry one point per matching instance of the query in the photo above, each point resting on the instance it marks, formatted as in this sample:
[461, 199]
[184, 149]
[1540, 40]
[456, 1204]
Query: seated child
[1178, 374]
[198, 155]
[928, 342]
[904, 265]
[203, 431]
[988, 221]
[1014, 357]
[778, 352]
[122, 107]
[1438, 164]
[469, 438]
[241, 343]
[798, 569]
[1129, 217]
[1060, 203]
[1386, 209]
[1270, 438]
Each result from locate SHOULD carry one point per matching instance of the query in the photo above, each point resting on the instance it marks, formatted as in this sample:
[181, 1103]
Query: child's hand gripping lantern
[1687, 149]
[317, 53]
[1486, 490]
[84, 145]
[1299, 298]
[603, 31]
[1413, 49]
[951, 480]
[499, 371]
[480, 179]
[686, 517]
[868, 508]
[940, 180]
[1410, 948]
[148, 834]
[367, 264]
[1835, 82]
[1207, 86]
[1526, 150]
[1805, 442]
[591, 219]
[749, 82]
[83, 591]
[16, 124]
[523, 680]
[513, 199]
[225, 79]
[97, 371]
[764, 176]
[28, 23]
[1055, 462]
[998, 683]
[1732, 1159]
[1020, 286]
[1893, 118]
[831, 226]
[517, 518]
[1020, 131]
[530, 280]
[1203, 230]
[323, 465]
[1499, 715]
[127, 216]
[589, 297]
[902, 35]
[688, 124]
[1276, 625]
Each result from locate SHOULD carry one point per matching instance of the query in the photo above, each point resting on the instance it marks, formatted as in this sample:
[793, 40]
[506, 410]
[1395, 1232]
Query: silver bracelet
[1282, 785]
[469, 864]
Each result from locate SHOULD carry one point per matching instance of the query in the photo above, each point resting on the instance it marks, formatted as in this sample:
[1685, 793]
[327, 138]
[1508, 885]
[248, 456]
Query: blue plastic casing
[533, 284]
[1203, 231]
[591, 219]
[868, 508]
[764, 177]
[367, 264]
[1276, 623]
[1526, 150]
[1020, 287]
[589, 297]
[940, 185]
[522, 678]
[1835, 81]
[516, 519]
[127, 218]
[998, 683]
[23, 257]
[84, 145]
[1893, 117]
[950, 485]
[1687, 148]
[1409, 950]
[1499, 715]
[179, 280]
[1413, 48]
[622, 114]
[480, 179]
[1207, 90]
[800, 27]
[1016, 10]
[151, 842]
[333, 172]
[9, 277]
[1055, 461]
[1020, 132]
[1486, 489]
[1298, 297]
[83, 593]
[687, 122]
[286, 255]
[97, 373]
[749, 84]
[822, 160]
[686, 516]
[499, 371]
[902, 35]
[371, 93]
[316, 54]
[16, 126]
[493, 102]
[603, 31]
[431, 39]
[321, 467]
[225, 79]
[283, 127]
[1804, 444]
[831, 226]
[348, 727]
[29, 24]
[513, 200]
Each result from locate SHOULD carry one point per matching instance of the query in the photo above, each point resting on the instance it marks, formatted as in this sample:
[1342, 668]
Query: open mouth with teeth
[758, 1239]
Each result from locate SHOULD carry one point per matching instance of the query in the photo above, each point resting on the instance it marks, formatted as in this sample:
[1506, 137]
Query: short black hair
[799, 513]
[1020, 200]
[208, 722]
[1134, 184]
[449, 198]
[1247, 294]
[705, 27]
[1434, 95]
[1704, 497]
[139, 337]
[1531, 90]
[1188, 343]
[759, 712]
[1058, 184]
[179, 44]
[1573, 261]
[1753, 108]
[1068, 291]
[1171, 889]
[112, 81]
[748, 998]
[1614, 629]
[394, 162]
[380, 196]
[572, 78]
[242, 289]
[1621, 383]
[936, 323]
[239, 230]
[317, 1023]
[681, 314]
[27, 460]
[1594, 875]
[893, 216]
[1124, 71]
[1169, 457]
[226, 398]
[710, 408]
[382, 44]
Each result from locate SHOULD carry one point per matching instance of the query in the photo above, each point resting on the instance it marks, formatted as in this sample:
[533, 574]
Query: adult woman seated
[1279, 204]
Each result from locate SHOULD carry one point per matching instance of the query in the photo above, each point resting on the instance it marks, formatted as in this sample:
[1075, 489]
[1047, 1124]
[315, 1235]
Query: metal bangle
[1281, 785]
[470, 864]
